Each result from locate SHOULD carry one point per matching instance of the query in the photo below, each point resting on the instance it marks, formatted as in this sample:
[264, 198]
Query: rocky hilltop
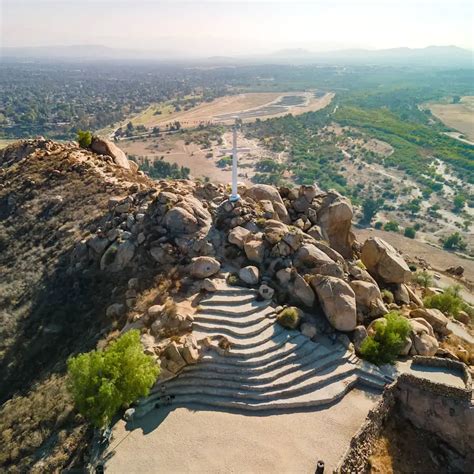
[91, 247]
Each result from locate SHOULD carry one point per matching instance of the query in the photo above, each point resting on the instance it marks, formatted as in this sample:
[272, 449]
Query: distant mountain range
[435, 56]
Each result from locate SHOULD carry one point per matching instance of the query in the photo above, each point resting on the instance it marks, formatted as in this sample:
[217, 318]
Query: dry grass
[458, 116]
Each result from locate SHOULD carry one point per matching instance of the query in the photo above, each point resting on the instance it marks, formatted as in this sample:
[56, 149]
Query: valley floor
[200, 440]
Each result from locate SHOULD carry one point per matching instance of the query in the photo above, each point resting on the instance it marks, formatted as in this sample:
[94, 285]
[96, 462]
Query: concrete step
[228, 319]
[266, 348]
[237, 311]
[314, 398]
[257, 394]
[232, 299]
[260, 384]
[289, 366]
[267, 334]
[235, 332]
[270, 355]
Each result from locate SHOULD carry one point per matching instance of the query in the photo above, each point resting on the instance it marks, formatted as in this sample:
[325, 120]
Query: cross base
[234, 197]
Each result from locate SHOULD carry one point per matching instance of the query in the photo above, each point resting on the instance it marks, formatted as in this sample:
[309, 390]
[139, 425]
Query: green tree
[370, 207]
[454, 242]
[84, 138]
[409, 232]
[390, 334]
[103, 381]
[391, 226]
[459, 202]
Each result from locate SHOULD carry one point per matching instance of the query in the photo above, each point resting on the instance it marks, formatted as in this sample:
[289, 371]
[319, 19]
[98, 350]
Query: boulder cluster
[294, 245]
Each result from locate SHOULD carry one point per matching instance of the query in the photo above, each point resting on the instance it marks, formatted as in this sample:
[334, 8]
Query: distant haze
[221, 27]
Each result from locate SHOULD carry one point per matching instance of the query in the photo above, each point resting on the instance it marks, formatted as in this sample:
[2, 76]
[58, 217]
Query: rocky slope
[91, 247]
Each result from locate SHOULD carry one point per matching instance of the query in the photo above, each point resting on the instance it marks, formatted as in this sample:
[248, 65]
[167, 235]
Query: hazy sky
[229, 27]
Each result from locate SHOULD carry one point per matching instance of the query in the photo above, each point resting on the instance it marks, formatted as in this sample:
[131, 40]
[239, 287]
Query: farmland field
[248, 106]
[459, 116]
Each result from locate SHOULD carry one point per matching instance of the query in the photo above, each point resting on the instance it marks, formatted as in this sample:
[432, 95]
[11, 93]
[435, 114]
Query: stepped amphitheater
[268, 367]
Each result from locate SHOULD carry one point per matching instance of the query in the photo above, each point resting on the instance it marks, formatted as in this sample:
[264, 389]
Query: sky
[223, 27]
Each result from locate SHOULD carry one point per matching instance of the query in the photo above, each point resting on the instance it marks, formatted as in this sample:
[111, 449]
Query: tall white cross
[235, 195]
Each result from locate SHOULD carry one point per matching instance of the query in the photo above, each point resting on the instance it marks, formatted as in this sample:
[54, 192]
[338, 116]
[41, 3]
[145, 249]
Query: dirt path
[183, 440]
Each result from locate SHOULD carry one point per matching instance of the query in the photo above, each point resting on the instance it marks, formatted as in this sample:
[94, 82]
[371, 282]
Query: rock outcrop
[383, 262]
[103, 146]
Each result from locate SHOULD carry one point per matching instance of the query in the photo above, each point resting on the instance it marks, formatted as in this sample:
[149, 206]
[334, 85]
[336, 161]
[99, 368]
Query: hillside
[90, 247]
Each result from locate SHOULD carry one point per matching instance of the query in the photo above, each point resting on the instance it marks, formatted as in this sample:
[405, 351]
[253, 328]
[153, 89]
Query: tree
[370, 207]
[409, 232]
[391, 226]
[84, 138]
[459, 202]
[103, 381]
[390, 335]
[454, 242]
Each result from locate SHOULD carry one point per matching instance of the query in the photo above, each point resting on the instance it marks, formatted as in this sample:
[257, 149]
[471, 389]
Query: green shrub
[423, 278]
[233, 279]
[378, 224]
[391, 226]
[289, 318]
[387, 296]
[84, 138]
[454, 242]
[103, 381]
[390, 335]
[409, 232]
[449, 302]
[223, 162]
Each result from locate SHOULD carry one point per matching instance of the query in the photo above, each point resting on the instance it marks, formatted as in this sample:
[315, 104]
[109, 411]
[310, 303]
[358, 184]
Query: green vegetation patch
[103, 381]
[385, 344]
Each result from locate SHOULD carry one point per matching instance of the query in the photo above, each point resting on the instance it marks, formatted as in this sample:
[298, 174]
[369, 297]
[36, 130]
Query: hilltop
[91, 247]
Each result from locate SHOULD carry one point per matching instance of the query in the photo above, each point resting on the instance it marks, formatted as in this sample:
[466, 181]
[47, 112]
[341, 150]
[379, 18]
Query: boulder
[308, 330]
[204, 267]
[337, 300]
[102, 146]
[255, 250]
[335, 220]
[190, 354]
[283, 276]
[115, 310]
[366, 293]
[384, 262]
[463, 317]
[302, 291]
[209, 285]
[238, 236]
[435, 317]
[266, 292]
[249, 275]
[401, 294]
[316, 232]
[360, 333]
[181, 221]
[117, 256]
[259, 192]
[310, 256]
[425, 345]
[274, 231]
[420, 325]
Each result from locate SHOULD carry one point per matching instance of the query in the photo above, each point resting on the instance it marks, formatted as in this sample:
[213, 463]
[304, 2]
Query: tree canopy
[103, 381]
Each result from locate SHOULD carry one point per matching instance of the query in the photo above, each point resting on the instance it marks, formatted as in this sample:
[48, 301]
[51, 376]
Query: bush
[387, 296]
[378, 224]
[409, 232]
[449, 302]
[84, 138]
[103, 381]
[454, 242]
[391, 226]
[289, 318]
[423, 278]
[390, 335]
